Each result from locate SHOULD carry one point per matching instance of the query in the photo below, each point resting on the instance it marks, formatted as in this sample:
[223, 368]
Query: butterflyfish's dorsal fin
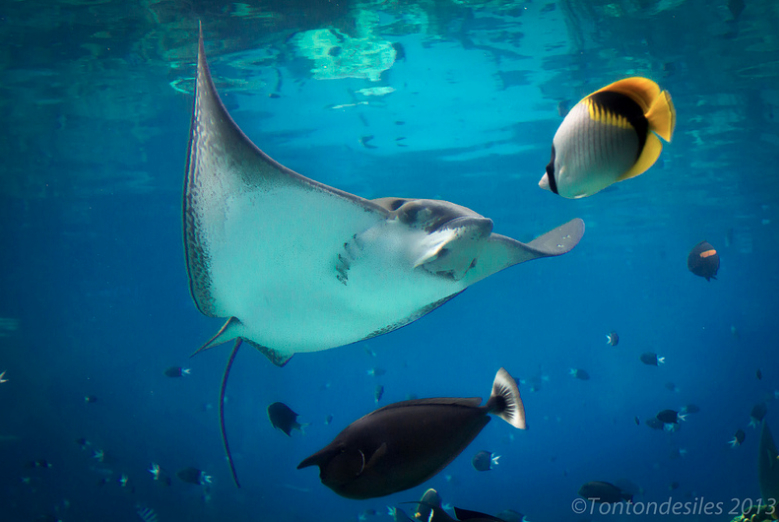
[643, 91]
[652, 149]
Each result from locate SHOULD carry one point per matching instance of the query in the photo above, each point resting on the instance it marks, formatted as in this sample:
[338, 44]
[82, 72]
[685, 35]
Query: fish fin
[229, 331]
[643, 91]
[501, 252]
[222, 411]
[661, 360]
[652, 149]
[662, 116]
[273, 356]
[302, 427]
[377, 455]
[466, 514]
[505, 401]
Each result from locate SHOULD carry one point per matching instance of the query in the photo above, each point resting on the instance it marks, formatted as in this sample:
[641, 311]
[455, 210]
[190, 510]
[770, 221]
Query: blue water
[94, 292]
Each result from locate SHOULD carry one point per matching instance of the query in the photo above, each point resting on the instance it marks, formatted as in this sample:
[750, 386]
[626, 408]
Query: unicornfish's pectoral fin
[501, 252]
[377, 456]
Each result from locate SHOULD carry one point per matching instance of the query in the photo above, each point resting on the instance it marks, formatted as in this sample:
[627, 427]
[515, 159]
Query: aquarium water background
[96, 105]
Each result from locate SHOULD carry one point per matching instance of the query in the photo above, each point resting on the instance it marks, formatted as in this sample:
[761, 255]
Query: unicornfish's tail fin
[505, 401]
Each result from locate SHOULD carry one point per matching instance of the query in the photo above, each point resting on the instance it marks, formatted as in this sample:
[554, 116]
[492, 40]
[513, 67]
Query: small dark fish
[177, 371]
[580, 374]
[612, 338]
[637, 421]
[328, 419]
[703, 261]
[759, 375]
[738, 438]
[690, 408]
[83, 442]
[400, 123]
[651, 359]
[671, 387]
[365, 142]
[673, 485]
[669, 417]
[757, 414]
[376, 372]
[274, 95]
[283, 418]
[404, 444]
[400, 51]
[654, 423]
[90, 398]
[484, 461]
[40, 463]
[378, 393]
[603, 493]
[193, 476]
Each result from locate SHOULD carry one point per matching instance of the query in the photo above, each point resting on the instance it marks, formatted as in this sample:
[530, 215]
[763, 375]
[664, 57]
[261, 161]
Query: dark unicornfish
[604, 493]
[283, 418]
[609, 136]
[404, 444]
[703, 261]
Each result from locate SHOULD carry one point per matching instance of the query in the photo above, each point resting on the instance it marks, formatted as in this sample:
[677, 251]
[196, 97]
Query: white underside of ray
[273, 267]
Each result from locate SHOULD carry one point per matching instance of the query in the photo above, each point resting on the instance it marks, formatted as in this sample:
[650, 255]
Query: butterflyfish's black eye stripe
[550, 173]
[622, 105]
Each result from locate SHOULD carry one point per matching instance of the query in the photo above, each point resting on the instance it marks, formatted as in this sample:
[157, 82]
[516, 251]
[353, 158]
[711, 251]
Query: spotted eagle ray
[298, 266]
